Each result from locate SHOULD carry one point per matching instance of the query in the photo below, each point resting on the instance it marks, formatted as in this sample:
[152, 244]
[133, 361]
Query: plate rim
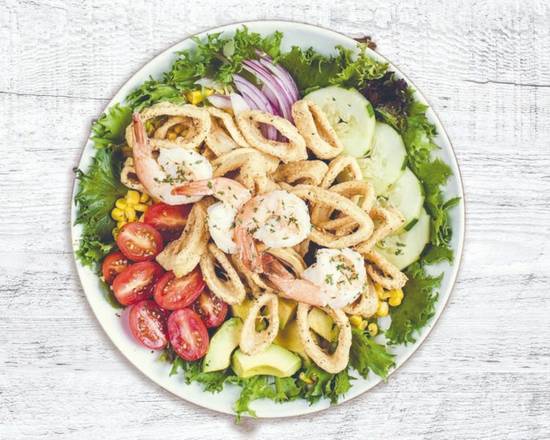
[455, 268]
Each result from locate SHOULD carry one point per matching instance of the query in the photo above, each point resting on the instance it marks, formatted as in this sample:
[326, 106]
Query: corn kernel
[383, 309]
[144, 198]
[121, 203]
[194, 97]
[305, 378]
[132, 197]
[355, 320]
[130, 214]
[118, 214]
[141, 207]
[115, 233]
[171, 136]
[373, 329]
[364, 324]
[208, 92]
[382, 294]
[120, 224]
[396, 297]
[178, 129]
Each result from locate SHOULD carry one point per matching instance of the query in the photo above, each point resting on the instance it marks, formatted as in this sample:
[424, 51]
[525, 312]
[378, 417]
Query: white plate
[322, 40]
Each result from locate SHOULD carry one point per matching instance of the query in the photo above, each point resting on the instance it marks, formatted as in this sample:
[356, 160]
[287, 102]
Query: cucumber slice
[407, 196]
[404, 249]
[350, 114]
[385, 162]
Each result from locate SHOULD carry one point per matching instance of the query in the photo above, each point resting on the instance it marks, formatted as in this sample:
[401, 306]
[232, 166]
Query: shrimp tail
[195, 188]
[290, 287]
[140, 135]
[248, 252]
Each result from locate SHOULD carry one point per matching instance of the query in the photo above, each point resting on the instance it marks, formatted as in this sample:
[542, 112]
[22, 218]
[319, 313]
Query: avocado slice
[289, 338]
[241, 310]
[222, 344]
[322, 324]
[274, 360]
[287, 309]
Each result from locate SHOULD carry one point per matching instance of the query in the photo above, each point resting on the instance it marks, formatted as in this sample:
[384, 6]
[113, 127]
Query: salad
[266, 217]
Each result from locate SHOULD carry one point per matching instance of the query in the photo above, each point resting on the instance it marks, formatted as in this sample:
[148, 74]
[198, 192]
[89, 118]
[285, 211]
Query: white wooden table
[484, 371]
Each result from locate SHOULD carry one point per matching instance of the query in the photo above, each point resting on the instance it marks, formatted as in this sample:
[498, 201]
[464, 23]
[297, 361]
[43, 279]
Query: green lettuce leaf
[367, 355]
[324, 385]
[311, 70]
[109, 129]
[97, 192]
[152, 92]
[417, 308]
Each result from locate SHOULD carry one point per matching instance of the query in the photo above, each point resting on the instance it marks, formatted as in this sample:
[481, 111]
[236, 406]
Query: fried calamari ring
[227, 287]
[314, 126]
[316, 195]
[361, 191]
[162, 130]
[252, 341]
[339, 165]
[224, 135]
[366, 304]
[331, 363]
[253, 280]
[182, 255]
[387, 221]
[302, 248]
[128, 176]
[309, 172]
[197, 120]
[383, 272]
[292, 150]
[290, 258]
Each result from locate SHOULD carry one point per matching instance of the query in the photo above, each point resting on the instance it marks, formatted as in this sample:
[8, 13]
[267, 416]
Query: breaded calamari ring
[196, 117]
[224, 135]
[337, 166]
[309, 172]
[331, 363]
[366, 304]
[387, 221]
[231, 290]
[314, 126]
[361, 191]
[252, 341]
[182, 255]
[383, 272]
[292, 150]
[128, 176]
[316, 195]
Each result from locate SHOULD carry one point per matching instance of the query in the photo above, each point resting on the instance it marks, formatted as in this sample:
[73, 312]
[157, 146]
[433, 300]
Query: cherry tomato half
[136, 282]
[188, 334]
[167, 219]
[210, 308]
[148, 324]
[139, 242]
[173, 293]
[112, 265]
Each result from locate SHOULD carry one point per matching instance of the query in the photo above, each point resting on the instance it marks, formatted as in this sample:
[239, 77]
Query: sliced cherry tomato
[188, 334]
[167, 219]
[210, 308]
[136, 282]
[148, 324]
[172, 293]
[112, 265]
[139, 242]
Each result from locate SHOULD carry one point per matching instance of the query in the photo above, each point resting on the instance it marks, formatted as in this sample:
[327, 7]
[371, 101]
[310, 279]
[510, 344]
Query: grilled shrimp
[172, 166]
[336, 279]
[221, 215]
[278, 219]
